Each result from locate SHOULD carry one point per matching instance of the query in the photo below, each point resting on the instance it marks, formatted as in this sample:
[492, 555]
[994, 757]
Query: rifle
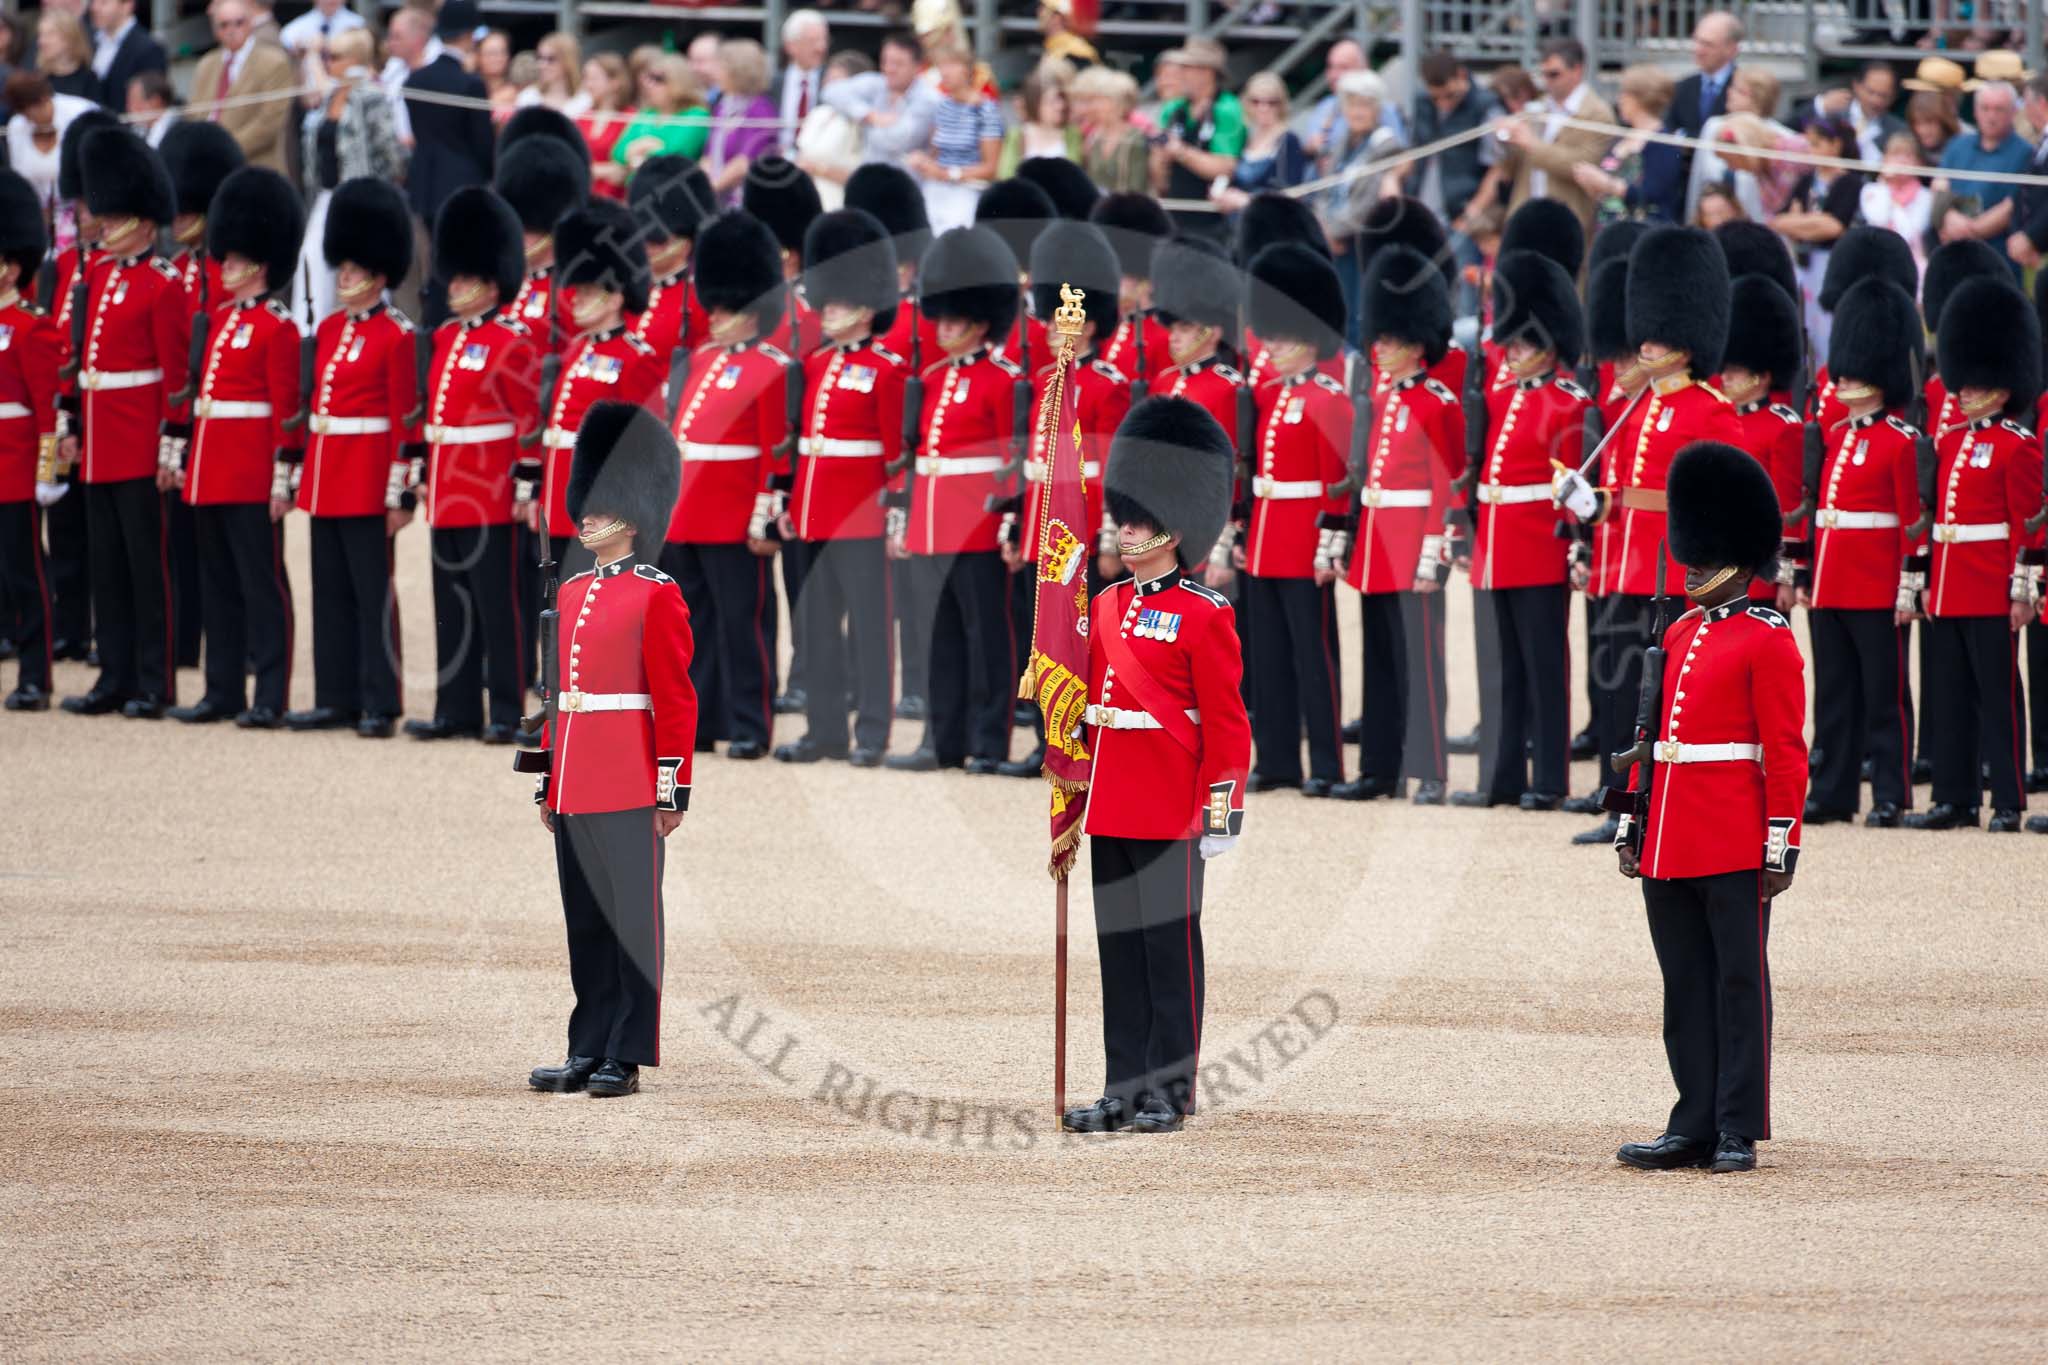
[1926, 463]
[195, 345]
[1139, 387]
[550, 383]
[896, 513]
[679, 363]
[423, 372]
[1633, 806]
[309, 354]
[783, 480]
[542, 721]
[80, 297]
[1475, 423]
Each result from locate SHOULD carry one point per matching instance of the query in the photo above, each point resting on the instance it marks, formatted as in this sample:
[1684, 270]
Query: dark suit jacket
[2030, 202]
[1684, 115]
[452, 148]
[138, 52]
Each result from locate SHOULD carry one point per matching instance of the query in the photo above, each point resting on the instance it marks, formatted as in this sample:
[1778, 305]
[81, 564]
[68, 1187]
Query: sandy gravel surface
[268, 1002]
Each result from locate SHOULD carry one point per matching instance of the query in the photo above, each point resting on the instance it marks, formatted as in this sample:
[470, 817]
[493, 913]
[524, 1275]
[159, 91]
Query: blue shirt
[1965, 152]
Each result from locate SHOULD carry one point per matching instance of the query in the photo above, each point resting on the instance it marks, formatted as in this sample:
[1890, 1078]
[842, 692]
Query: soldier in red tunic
[852, 429]
[29, 351]
[1269, 219]
[1196, 293]
[1982, 581]
[137, 340]
[542, 179]
[1172, 749]
[1536, 421]
[1018, 211]
[670, 197]
[616, 771]
[1135, 225]
[482, 397]
[1713, 825]
[1766, 352]
[236, 483]
[361, 449]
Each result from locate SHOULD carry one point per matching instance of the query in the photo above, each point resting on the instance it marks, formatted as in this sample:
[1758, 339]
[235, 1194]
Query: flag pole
[1059, 988]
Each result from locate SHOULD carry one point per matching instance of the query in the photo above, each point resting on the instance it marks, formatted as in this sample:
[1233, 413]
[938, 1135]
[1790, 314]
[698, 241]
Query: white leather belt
[119, 379]
[1400, 497]
[1120, 718]
[1034, 470]
[14, 410]
[1834, 519]
[1286, 490]
[943, 465]
[558, 438]
[1508, 494]
[1951, 533]
[1671, 751]
[470, 436]
[701, 450]
[832, 445]
[604, 701]
[349, 426]
[220, 407]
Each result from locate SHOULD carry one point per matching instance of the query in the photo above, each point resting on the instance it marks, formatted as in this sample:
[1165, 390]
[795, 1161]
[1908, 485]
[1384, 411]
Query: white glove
[1908, 603]
[1214, 844]
[170, 454]
[48, 493]
[1571, 492]
[281, 482]
[764, 512]
[896, 523]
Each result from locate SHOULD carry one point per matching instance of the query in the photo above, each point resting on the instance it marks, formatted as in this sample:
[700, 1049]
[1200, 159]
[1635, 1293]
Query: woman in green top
[672, 118]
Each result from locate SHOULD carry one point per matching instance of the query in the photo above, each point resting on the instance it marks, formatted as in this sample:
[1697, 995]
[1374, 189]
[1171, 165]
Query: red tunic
[853, 428]
[1776, 435]
[1418, 446]
[1989, 483]
[29, 356]
[728, 426]
[137, 348]
[537, 293]
[1304, 439]
[1868, 494]
[248, 390]
[1144, 784]
[968, 412]
[1514, 532]
[912, 335]
[613, 365]
[1210, 383]
[366, 383]
[1102, 397]
[673, 317]
[482, 396]
[1676, 412]
[624, 631]
[191, 276]
[1615, 409]
[1121, 351]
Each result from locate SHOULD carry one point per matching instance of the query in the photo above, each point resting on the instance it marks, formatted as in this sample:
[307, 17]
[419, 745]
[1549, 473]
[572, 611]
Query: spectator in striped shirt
[966, 142]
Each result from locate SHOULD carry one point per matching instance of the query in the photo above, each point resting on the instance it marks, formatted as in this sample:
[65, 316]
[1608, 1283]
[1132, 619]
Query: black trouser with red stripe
[913, 630]
[1148, 933]
[479, 635]
[355, 617]
[1712, 937]
[188, 609]
[1525, 691]
[1969, 668]
[727, 591]
[248, 603]
[971, 679]
[1624, 628]
[24, 590]
[843, 619]
[131, 597]
[1859, 707]
[1404, 685]
[1293, 649]
[796, 557]
[610, 869]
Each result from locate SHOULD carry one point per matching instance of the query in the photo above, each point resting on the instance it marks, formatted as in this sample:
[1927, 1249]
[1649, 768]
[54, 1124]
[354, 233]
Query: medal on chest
[355, 350]
[244, 333]
[1401, 417]
[1295, 408]
[1154, 624]
[1862, 453]
[6, 335]
[474, 357]
[729, 377]
[1664, 419]
[1980, 455]
[121, 291]
[857, 379]
[960, 391]
[536, 305]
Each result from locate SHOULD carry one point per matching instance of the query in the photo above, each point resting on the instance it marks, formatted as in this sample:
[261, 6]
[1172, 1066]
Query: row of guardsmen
[859, 400]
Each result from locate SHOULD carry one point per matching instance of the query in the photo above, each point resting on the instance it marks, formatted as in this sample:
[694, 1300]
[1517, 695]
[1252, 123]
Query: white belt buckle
[1372, 497]
[1946, 534]
[1830, 518]
[319, 424]
[570, 701]
[1492, 493]
[1262, 487]
[1667, 750]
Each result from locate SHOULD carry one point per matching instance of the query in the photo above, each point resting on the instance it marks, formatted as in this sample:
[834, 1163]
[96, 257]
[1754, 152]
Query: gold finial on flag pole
[1069, 318]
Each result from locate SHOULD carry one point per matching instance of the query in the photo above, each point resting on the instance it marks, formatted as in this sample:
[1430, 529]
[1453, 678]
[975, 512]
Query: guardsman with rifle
[851, 429]
[137, 332]
[728, 423]
[892, 196]
[670, 197]
[1711, 825]
[1948, 266]
[1677, 311]
[542, 179]
[619, 720]
[1536, 419]
[1867, 500]
[967, 285]
[1858, 254]
[1018, 210]
[1399, 555]
[1172, 749]
[362, 459]
[1138, 347]
[1269, 219]
[1983, 577]
[236, 475]
[1765, 356]
[30, 352]
[481, 396]
[1196, 294]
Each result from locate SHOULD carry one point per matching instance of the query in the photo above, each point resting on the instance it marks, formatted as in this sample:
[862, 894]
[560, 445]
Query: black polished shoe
[1031, 765]
[865, 756]
[1923, 771]
[978, 765]
[1603, 833]
[613, 1079]
[565, 1079]
[1263, 782]
[1943, 815]
[1479, 799]
[1582, 805]
[910, 708]
[1883, 815]
[70, 651]
[805, 750]
[201, 712]
[1584, 746]
[374, 726]
[2037, 824]
[2037, 779]
[438, 728]
[500, 734]
[746, 750]
[1155, 1115]
[1367, 789]
[1024, 714]
[792, 702]
[1106, 1115]
[918, 760]
[1733, 1153]
[1540, 800]
[1428, 793]
[319, 718]
[1353, 731]
[2003, 822]
[1667, 1153]
[144, 708]
[1467, 743]
[1317, 787]
[259, 718]
[1816, 814]
[28, 697]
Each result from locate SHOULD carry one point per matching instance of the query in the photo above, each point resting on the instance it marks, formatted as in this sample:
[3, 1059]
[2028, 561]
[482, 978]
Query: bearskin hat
[600, 244]
[258, 213]
[1405, 222]
[1404, 297]
[1135, 226]
[1877, 339]
[784, 198]
[1723, 510]
[1990, 338]
[1535, 300]
[1018, 211]
[892, 196]
[1753, 249]
[625, 465]
[1072, 193]
[1951, 264]
[737, 267]
[1272, 217]
[1194, 281]
[125, 178]
[542, 180]
[1549, 227]
[24, 238]
[1293, 292]
[478, 234]
[537, 120]
[1607, 307]
[1678, 295]
[1764, 331]
[1862, 252]
[369, 222]
[199, 156]
[849, 257]
[670, 197]
[1171, 467]
[1613, 242]
[70, 171]
[1077, 254]
[970, 273]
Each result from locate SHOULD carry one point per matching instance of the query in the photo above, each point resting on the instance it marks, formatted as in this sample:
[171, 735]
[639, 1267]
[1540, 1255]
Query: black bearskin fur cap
[1193, 280]
[601, 244]
[125, 178]
[737, 267]
[70, 171]
[1678, 295]
[1535, 300]
[1293, 293]
[625, 465]
[970, 273]
[1072, 193]
[1877, 338]
[542, 180]
[1404, 297]
[478, 234]
[369, 222]
[784, 198]
[1607, 308]
[1753, 249]
[1951, 264]
[1135, 226]
[889, 193]
[537, 120]
[1171, 467]
[1613, 243]
[1862, 252]
[258, 213]
[1272, 217]
[1077, 254]
[1723, 510]
[1406, 222]
[1018, 211]
[670, 197]
[199, 156]
[1990, 338]
[849, 257]
[24, 239]
[1548, 227]
[1764, 330]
